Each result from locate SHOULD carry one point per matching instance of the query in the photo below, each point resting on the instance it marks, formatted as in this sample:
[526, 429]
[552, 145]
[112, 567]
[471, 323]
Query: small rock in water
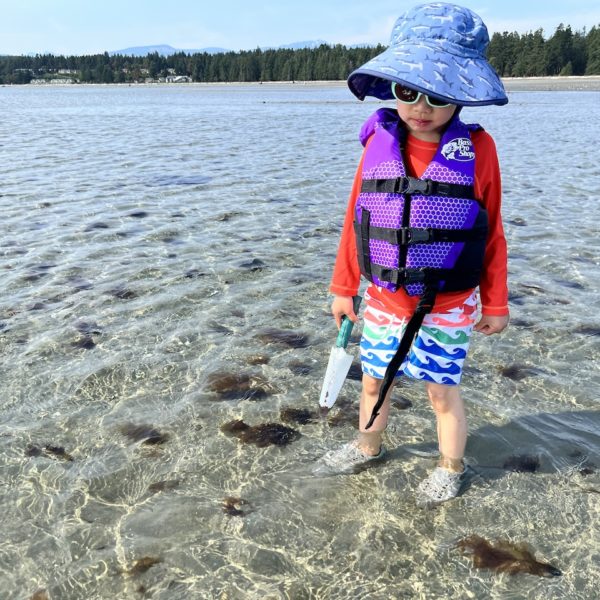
[519, 222]
[164, 486]
[355, 372]
[230, 506]
[292, 339]
[227, 216]
[266, 434]
[138, 214]
[122, 293]
[592, 330]
[85, 342]
[518, 372]
[401, 403]
[522, 463]
[258, 359]
[254, 265]
[194, 273]
[146, 434]
[505, 557]
[301, 416]
[97, 225]
[88, 328]
[143, 564]
[299, 368]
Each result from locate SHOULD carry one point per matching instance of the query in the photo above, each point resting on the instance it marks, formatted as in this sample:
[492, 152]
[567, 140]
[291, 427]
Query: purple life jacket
[427, 233]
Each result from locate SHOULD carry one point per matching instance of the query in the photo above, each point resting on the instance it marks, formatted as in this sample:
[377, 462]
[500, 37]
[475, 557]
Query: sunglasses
[408, 96]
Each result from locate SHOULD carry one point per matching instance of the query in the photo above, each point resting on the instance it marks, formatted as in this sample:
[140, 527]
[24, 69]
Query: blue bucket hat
[438, 49]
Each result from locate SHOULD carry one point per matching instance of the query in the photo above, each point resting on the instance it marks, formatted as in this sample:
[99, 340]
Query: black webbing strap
[413, 185]
[362, 231]
[423, 235]
[412, 327]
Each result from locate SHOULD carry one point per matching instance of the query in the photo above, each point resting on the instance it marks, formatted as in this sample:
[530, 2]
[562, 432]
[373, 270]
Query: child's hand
[489, 324]
[343, 305]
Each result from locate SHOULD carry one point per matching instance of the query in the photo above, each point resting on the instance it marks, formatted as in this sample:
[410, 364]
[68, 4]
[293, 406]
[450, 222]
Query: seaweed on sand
[263, 435]
[146, 434]
[230, 506]
[238, 386]
[292, 339]
[302, 416]
[143, 564]
[522, 463]
[505, 557]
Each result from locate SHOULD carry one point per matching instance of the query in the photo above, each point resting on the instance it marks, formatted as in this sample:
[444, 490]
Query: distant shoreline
[512, 84]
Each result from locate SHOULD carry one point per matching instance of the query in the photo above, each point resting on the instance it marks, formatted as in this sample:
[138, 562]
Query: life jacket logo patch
[459, 149]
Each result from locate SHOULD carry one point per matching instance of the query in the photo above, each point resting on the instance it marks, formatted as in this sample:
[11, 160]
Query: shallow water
[152, 236]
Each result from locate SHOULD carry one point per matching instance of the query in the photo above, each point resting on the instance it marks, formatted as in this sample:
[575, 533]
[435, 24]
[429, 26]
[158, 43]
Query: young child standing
[423, 226]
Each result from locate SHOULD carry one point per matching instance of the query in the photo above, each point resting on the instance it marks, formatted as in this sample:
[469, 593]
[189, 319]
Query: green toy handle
[347, 325]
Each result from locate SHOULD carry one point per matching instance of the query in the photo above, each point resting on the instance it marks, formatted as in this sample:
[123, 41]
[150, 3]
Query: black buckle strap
[413, 185]
[414, 235]
[407, 236]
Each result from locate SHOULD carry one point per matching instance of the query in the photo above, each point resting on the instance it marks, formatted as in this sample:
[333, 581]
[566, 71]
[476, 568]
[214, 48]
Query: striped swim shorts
[439, 349]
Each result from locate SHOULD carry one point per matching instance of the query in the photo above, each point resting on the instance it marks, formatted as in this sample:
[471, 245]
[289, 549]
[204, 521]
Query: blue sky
[90, 26]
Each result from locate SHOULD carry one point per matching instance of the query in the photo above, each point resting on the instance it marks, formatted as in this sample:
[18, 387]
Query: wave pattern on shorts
[437, 354]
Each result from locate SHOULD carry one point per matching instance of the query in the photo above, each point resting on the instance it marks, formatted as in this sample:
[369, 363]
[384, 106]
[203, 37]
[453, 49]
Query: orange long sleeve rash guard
[493, 287]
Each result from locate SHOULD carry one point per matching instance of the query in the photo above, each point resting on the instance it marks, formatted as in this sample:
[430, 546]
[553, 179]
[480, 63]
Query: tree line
[512, 55]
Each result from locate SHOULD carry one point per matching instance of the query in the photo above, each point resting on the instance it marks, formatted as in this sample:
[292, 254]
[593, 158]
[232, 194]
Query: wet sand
[512, 84]
[549, 84]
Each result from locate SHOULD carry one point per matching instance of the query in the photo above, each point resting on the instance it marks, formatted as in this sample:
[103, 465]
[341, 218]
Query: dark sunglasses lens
[404, 94]
[438, 103]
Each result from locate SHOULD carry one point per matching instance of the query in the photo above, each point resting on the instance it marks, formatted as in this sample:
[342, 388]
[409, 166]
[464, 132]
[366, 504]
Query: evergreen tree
[593, 52]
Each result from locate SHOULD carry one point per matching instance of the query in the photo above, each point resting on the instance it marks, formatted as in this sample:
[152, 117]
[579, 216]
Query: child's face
[423, 121]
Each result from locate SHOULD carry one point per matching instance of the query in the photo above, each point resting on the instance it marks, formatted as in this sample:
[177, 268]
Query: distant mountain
[164, 50]
[305, 44]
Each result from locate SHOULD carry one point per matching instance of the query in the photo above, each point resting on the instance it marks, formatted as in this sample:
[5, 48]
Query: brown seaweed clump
[48, 450]
[146, 434]
[292, 339]
[517, 372]
[266, 434]
[505, 557]
[143, 564]
[41, 594]
[230, 506]
[238, 386]
[522, 463]
[302, 416]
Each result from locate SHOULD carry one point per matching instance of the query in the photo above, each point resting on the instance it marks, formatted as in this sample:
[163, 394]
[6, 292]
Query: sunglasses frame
[419, 94]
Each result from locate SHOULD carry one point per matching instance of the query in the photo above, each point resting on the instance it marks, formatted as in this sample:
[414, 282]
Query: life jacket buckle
[414, 235]
[412, 185]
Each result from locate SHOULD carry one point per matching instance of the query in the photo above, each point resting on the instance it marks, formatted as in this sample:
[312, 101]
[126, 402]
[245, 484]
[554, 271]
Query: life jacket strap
[426, 275]
[363, 231]
[424, 307]
[406, 236]
[414, 185]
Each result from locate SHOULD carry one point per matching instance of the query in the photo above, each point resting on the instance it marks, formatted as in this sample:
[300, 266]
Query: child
[423, 225]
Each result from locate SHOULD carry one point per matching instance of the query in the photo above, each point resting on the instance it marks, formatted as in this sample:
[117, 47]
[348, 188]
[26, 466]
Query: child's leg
[451, 424]
[369, 440]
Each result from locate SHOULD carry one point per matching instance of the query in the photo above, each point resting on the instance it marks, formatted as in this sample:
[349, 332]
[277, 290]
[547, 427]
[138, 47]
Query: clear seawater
[156, 240]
